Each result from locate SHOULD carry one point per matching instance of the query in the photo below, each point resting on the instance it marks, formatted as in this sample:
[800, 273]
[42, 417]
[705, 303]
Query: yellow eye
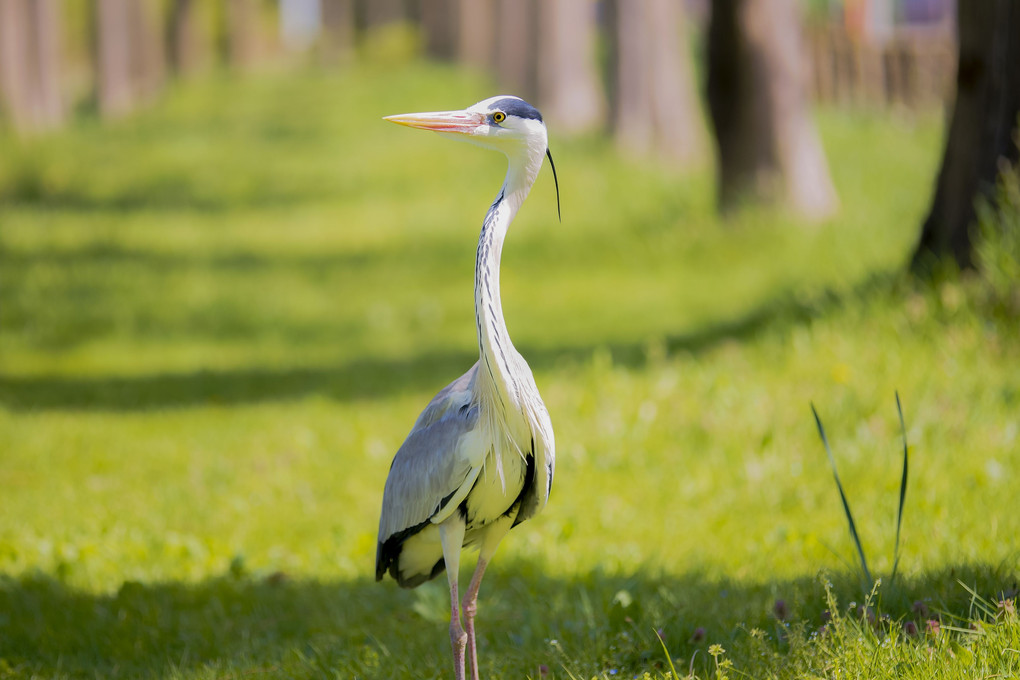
[499, 116]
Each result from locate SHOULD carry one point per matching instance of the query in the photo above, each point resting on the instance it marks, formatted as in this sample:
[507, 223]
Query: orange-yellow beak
[463, 122]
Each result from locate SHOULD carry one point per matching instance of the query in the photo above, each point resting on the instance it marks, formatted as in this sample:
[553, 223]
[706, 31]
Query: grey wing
[427, 473]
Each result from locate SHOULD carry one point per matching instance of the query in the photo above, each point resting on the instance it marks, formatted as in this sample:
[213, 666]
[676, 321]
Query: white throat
[496, 351]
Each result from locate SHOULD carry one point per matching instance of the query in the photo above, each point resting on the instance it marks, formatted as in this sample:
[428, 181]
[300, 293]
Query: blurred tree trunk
[148, 55]
[440, 26]
[476, 28]
[181, 40]
[375, 13]
[14, 58]
[115, 94]
[242, 33]
[187, 39]
[130, 54]
[46, 26]
[30, 63]
[654, 100]
[768, 146]
[569, 91]
[337, 41]
[983, 130]
[516, 47]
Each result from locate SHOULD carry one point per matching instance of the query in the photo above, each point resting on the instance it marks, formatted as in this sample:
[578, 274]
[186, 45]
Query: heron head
[504, 123]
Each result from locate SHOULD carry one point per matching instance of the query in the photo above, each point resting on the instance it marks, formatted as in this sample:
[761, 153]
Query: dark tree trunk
[569, 90]
[768, 146]
[654, 99]
[983, 128]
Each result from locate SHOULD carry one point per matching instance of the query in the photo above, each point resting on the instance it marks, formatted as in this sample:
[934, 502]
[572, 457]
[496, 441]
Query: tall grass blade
[669, 658]
[842, 496]
[903, 490]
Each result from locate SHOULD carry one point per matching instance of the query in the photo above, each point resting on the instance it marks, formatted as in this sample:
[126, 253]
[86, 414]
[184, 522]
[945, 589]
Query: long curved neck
[494, 346]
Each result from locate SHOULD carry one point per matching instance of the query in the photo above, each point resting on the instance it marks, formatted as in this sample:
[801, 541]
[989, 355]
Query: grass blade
[842, 496]
[669, 658]
[903, 490]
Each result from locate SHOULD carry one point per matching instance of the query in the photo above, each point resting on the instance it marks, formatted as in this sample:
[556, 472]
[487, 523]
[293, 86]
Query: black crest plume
[556, 181]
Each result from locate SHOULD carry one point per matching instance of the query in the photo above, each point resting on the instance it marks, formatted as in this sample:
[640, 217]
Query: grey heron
[480, 458]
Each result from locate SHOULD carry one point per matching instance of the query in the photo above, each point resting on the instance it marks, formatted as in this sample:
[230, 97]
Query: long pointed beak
[463, 122]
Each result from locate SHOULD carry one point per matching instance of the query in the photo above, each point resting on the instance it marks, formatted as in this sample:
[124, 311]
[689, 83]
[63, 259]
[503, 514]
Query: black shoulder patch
[526, 488]
[512, 106]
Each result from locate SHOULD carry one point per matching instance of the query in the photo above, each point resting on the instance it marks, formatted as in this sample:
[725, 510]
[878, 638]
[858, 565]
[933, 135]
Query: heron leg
[451, 534]
[495, 533]
[470, 607]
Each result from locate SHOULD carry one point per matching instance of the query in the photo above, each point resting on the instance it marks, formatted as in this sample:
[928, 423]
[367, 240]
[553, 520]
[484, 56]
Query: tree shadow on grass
[594, 623]
[170, 192]
[358, 379]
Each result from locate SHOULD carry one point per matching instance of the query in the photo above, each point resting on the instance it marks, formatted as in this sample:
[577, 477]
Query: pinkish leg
[451, 533]
[495, 533]
[470, 607]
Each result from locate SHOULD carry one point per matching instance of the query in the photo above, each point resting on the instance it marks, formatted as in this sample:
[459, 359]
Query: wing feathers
[434, 468]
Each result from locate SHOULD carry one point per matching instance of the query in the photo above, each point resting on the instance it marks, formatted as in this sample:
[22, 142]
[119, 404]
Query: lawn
[219, 318]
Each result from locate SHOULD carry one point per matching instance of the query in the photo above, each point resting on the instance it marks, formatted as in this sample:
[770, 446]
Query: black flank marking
[446, 499]
[529, 482]
[380, 568]
[463, 508]
[416, 580]
[437, 569]
[387, 553]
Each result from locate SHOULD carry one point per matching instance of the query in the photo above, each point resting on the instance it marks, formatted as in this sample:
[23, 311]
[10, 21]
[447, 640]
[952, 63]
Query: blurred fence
[912, 68]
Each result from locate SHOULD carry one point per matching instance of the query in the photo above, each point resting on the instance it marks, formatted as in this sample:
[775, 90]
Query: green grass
[219, 318]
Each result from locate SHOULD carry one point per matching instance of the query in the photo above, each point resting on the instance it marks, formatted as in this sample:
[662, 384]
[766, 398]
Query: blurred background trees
[655, 104]
[768, 148]
[627, 68]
